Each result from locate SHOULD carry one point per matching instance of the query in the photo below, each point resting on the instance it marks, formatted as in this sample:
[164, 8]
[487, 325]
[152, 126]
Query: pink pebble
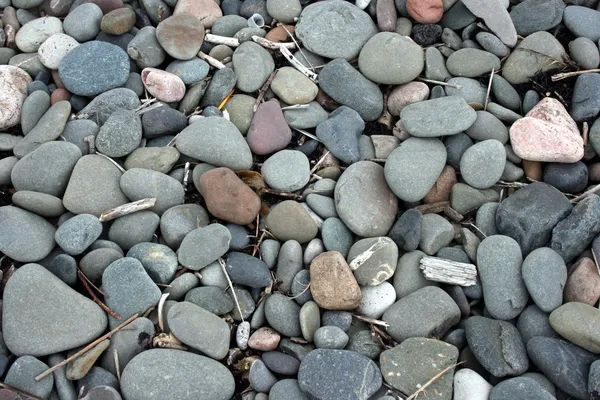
[163, 85]
[547, 133]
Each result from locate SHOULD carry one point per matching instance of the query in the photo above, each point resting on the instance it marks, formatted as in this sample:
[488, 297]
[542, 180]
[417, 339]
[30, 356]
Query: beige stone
[332, 283]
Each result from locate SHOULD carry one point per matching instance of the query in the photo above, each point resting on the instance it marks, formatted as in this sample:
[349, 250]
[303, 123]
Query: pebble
[65, 267]
[380, 59]
[471, 63]
[406, 94]
[408, 277]
[39, 330]
[145, 49]
[288, 220]
[111, 68]
[26, 237]
[376, 299]
[128, 342]
[344, 84]
[534, 322]
[292, 87]
[436, 233]
[261, 379]
[464, 198]
[582, 282]
[103, 105]
[497, 345]
[373, 260]
[341, 133]
[585, 53]
[202, 246]
[102, 393]
[246, 270]
[120, 135]
[334, 30]
[171, 32]
[132, 229]
[577, 322]
[406, 231]
[439, 117]
[118, 22]
[486, 218]
[411, 178]
[545, 275]
[163, 85]
[469, 385]
[286, 170]
[83, 22]
[139, 183]
[518, 387]
[97, 377]
[287, 389]
[530, 214]
[486, 127]
[581, 21]
[330, 337]
[252, 64]
[496, 17]
[268, 131]
[228, 198]
[531, 16]
[128, 289]
[372, 213]
[96, 261]
[178, 221]
[289, 263]
[207, 11]
[282, 314]
[77, 234]
[264, 339]
[22, 373]
[572, 235]
[492, 153]
[499, 260]
[32, 34]
[55, 48]
[41, 204]
[406, 366]
[492, 44]
[404, 316]
[584, 104]
[159, 261]
[13, 85]
[159, 373]
[425, 12]
[328, 374]
[333, 286]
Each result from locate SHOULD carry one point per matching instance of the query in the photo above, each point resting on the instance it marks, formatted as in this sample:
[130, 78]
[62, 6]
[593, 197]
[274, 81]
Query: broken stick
[448, 271]
[127, 209]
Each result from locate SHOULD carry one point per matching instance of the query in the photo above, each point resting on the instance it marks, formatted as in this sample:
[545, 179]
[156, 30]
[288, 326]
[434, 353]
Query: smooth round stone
[207, 11]
[363, 200]
[180, 286]
[362, 342]
[545, 275]
[289, 263]
[568, 178]
[330, 337]
[288, 220]
[96, 261]
[260, 378]
[83, 22]
[520, 387]
[336, 236]
[253, 65]
[22, 373]
[310, 320]
[487, 126]
[160, 159]
[435, 64]
[229, 25]
[471, 63]
[284, 10]
[6, 166]
[202, 246]
[240, 111]
[181, 35]
[427, 34]
[584, 52]
[164, 86]
[138, 184]
[281, 363]
[14, 84]
[78, 233]
[287, 389]
[268, 131]
[128, 289]
[118, 22]
[438, 117]
[212, 275]
[55, 48]
[334, 30]
[287, 170]
[582, 21]
[246, 270]
[96, 377]
[344, 84]
[9, 141]
[376, 299]
[163, 121]
[406, 94]
[264, 339]
[162, 373]
[120, 134]
[389, 58]
[486, 218]
[144, 224]
[323, 206]
[292, 87]
[282, 314]
[436, 233]
[145, 49]
[65, 267]
[41, 204]
[533, 16]
[584, 105]
[211, 298]
[341, 319]
[578, 323]
[25, 237]
[216, 141]
[469, 385]
[373, 260]
[239, 237]
[492, 44]
[470, 89]
[530, 99]
[412, 169]
[490, 153]
[221, 84]
[103, 105]
[505, 94]
[32, 34]
[189, 71]
[159, 261]
[499, 262]
[269, 249]
[406, 231]
[111, 68]
[344, 146]
[328, 373]
[22, 323]
[102, 393]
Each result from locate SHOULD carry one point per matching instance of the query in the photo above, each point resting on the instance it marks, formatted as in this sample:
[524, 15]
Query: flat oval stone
[252, 64]
[471, 63]
[22, 373]
[111, 68]
[138, 184]
[83, 22]
[118, 22]
[413, 168]
[334, 29]
[482, 164]
[206, 10]
[120, 135]
[282, 314]
[103, 105]
[163, 85]
[72, 321]
[578, 323]
[341, 133]
[292, 87]
[216, 141]
[158, 374]
[32, 34]
[181, 35]
[581, 21]
[438, 117]
[41, 204]
[204, 245]
[25, 236]
[76, 234]
[246, 270]
[288, 220]
[373, 260]
[333, 285]
[545, 276]
[520, 387]
[287, 170]
[211, 298]
[268, 131]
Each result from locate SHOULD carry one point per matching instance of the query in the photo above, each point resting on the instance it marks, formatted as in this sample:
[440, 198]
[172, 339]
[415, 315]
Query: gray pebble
[436, 232]
[282, 314]
[78, 233]
[330, 337]
[490, 153]
[145, 49]
[22, 373]
[129, 230]
[179, 220]
[336, 236]
[202, 246]
[159, 261]
[181, 285]
[41, 204]
[138, 183]
[287, 170]
[545, 275]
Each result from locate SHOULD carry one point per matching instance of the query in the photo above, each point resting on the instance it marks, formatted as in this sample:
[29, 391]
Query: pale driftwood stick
[272, 45]
[172, 142]
[263, 90]
[298, 65]
[512, 184]
[186, 175]
[489, 88]
[235, 299]
[582, 196]
[565, 75]
[90, 141]
[127, 209]
[281, 193]
[585, 133]
[447, 271]
[435, 378]
[161, 304]
[86, 348]
[313, 169]
[146, 103]
[117, 366]
[453, 214]
[216, 39]
[116, 164]
[149, 108]
[211, 60]
[439, 83]
[297, 45]
[371, 320]
[308, 134]
[295, 107]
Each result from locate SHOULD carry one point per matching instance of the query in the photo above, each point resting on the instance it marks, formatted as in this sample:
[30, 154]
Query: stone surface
[203, 246]
[438, 117]
[582, 282]
[181, 35]
[22, 373]
[584, 104]
[578, 323]
[333, 286]
[545, 276]
[25, 236]
[252, 64]
[425, 12]
[288, 220]
[373, 260]
[496, 17]
[518, 387]
[572, 235]
[139, 183]
[581, 21]
[268, 131]
[341, 134]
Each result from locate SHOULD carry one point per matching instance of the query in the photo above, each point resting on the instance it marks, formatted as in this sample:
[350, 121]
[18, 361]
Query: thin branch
[117, 366]
[440, 83]
[298, 65]
[565, 75]
[86, 348]
[307, 134]
[83, 280]
[116, 164]
[272, 45]
[92, 283]
[585, 134]
[371, 320]
[237, 303]
[281, 193]
[216, 39]
[313, 169]
[211, 60]
[435, 378]
[295, 107]
[585, 194]
[489, 88]
[127, 209]
[263, 90]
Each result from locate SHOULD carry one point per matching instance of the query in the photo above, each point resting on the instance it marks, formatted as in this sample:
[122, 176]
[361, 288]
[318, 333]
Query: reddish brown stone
[325, 101]
[594, 172]
[583, 283]
[207, 10]
[279, 34]
[264, 339]
[425, 11]
[118, 22]
[228, 198]
[533, 170]
[60, 95]
[268, 130]
[107, 5]
[442, 187]
[181, 35]
[332, 283]
[56, 78]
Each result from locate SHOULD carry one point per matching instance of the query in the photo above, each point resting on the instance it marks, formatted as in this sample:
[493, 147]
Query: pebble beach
[299, 199]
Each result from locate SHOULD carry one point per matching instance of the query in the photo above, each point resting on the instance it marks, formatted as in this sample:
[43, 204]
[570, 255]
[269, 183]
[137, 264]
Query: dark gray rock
[97, 377]
[456, 145]
[282, 314]
[246, 270]
[289, 264]
[159, 261]
[64, 267]
[545, 275]
[520, 388]
[336, 236]
[163, 121]
[362, 342]
[585, 103]
[568, 178]
[281, 363]
[130, 341]
[211, 298]
[534, 322]
[406, 231]
[96, 261]
[341, 319]
[582, 21]
[178, 221]
[77, 130]
[120, 135]
[536, 15]
[330, 337]
[103, 105]
[572, 235]
[222, 82]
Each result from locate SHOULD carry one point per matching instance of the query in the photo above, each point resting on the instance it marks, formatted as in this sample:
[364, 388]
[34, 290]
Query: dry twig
[87, 287]
[447, 271]
[489, 88]
[235, 299]
[440, 83]
[211, 60]
[298, 65]
[273, 45]
[585, 194]
[127, 209]
[565, 75]
[371, 320]
[435, 378]
[263, 90]
[216, 39]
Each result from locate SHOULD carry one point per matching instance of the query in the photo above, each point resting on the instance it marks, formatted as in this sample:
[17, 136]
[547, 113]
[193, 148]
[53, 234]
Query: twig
[307, 134]
[297, 45]
[371, 320]
[19, 391]
[440, 83]
[211, 60]
[86, 348]
[313, 169]
[172, 141]
[302, 292]
[565, 75]
[216, 39]
[281, 193]
[453, 214]
[161, 304]
[298, 65]
[263, 90]
[117, 366]
[257, 245]
[585, 194]
[226, 99]
[585, 134]
[186, 175]
[517, 185]
[237, 303]
[116, 164]
[435, 378]
[90, 141]
[272, 45]
[91, 283]
[595, 261]
[127, 209]
[148, 109]
[447, 271]
[433, 208]
[489, 88]
[295, 107]
[83, 280]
